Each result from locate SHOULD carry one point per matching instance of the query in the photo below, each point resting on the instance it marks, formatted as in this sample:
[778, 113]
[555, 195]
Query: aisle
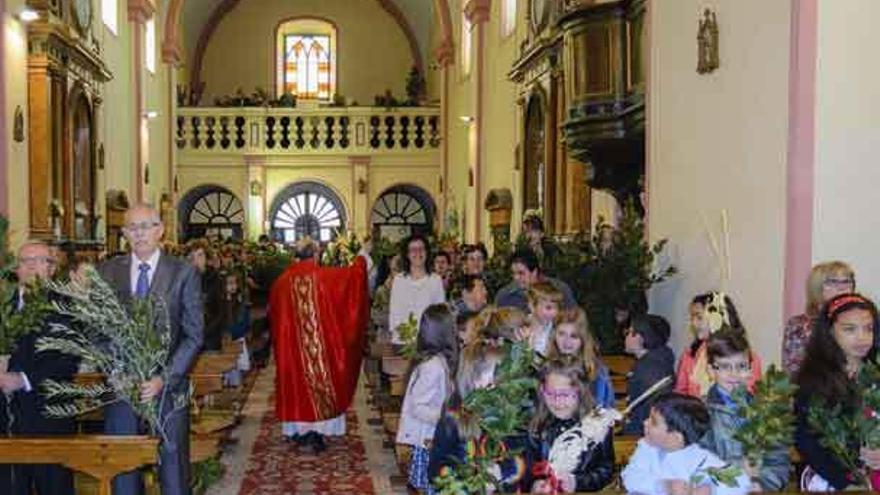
[262, 463]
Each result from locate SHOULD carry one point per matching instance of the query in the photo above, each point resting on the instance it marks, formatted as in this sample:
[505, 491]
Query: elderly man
[318, 317]
[21, 382]
[148, 272]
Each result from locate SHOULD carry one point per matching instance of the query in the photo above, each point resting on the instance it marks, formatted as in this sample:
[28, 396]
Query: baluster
[404, 131]
[344, 130]
[196, 140]
[314, 123]
[389, 131]
[209, 132]
[285, 132]
[328, 125]
[374, 131]
[270, 132]
[300, 133]
[181, 132]
[224, 132]
[420, 132]
[239, 132]
[434, 133]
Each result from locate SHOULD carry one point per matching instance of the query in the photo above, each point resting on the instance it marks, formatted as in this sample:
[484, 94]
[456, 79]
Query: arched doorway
[306, 209]
[210, 211]
[535, 163]
[402, 210]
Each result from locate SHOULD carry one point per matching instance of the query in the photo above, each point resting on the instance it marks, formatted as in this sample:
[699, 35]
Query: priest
[318, 316]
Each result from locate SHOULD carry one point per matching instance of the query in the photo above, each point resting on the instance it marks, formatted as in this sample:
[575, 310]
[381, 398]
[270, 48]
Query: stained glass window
[307, 66]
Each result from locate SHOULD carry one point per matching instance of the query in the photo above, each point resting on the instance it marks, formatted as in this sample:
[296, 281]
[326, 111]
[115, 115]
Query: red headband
[844, 300]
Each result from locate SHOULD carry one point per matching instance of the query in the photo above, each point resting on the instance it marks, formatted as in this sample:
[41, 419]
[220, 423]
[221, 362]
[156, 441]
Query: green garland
[503, 410]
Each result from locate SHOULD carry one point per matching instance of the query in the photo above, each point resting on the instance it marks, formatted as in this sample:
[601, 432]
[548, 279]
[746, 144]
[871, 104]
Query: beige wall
[13, 63]
[718, 142]
[847, 139]
[373, 52]
[500, 116]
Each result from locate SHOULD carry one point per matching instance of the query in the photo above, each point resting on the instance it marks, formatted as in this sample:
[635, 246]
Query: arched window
[401, 211]
[306, 64]
[307, 209]
[211, 211]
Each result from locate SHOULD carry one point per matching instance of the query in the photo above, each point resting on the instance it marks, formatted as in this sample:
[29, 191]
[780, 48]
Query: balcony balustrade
[343, 130]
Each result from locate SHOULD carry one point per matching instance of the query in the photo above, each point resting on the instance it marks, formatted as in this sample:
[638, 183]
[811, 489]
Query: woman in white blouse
[415, 288]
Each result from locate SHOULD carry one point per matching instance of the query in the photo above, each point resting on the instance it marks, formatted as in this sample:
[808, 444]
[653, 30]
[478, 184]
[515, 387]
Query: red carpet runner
[278, 467]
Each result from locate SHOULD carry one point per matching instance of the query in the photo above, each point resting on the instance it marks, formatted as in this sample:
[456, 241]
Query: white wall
[716, 142]
[847, 171]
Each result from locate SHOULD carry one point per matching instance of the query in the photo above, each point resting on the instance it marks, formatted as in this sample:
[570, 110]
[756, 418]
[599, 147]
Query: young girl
[572, 337]
[842, 340]
[456, 433]
[709, 313]
[565, 402]
[429, 387]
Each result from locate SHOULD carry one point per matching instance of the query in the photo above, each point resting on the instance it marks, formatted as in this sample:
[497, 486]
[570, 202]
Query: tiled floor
[379, 460]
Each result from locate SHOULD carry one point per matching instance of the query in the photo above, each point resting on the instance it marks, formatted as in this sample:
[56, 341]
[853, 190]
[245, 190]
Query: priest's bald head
[305, 248]
[143, 229]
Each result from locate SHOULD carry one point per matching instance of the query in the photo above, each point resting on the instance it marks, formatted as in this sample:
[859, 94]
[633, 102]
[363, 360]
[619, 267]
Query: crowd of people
[688, 423]
[465, 320]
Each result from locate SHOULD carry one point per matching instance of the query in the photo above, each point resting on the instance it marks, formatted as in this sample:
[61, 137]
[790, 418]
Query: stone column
[255, 197]
[477, 12]
[445, 54]
[139, 12]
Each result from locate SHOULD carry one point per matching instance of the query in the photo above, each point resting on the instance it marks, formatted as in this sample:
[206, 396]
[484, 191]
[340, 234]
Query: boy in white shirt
[669, 461]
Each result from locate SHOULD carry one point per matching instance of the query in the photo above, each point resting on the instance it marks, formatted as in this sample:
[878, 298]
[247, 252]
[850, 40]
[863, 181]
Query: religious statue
[707, 44]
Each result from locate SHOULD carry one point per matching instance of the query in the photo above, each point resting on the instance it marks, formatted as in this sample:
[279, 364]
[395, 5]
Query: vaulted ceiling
[196, 15]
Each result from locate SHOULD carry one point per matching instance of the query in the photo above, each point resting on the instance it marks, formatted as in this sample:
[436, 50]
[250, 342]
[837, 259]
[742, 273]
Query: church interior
[737, 134]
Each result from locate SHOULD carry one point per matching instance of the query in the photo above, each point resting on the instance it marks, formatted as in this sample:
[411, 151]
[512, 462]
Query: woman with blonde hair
[826, 281]
[572, 337]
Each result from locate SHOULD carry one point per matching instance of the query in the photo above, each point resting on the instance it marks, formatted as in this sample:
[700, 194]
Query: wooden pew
[625, 445]
[100, 456]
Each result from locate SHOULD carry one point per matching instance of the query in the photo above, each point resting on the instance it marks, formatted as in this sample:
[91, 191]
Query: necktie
[143, 282]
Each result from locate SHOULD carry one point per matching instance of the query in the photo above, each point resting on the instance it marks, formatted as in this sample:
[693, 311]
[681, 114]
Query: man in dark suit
[148, 272]
[21, 382]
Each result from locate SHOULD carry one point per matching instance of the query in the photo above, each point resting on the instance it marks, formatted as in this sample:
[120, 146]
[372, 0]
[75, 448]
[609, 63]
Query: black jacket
[596, 468]
[808, 443]
[28, 408]
[656, 364]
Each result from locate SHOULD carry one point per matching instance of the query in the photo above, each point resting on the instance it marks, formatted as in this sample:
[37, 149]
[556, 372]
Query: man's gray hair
[143, 205]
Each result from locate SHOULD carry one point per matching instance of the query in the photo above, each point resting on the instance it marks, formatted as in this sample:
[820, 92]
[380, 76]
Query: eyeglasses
[732, 368]
[839, 282]
[32, 260]
[140, 227]
[560, 394]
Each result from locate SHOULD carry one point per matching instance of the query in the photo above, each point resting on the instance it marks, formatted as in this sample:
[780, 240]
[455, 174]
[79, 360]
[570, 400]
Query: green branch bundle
[503, 410]
[844, 429]
[768, 417]
[128, 345]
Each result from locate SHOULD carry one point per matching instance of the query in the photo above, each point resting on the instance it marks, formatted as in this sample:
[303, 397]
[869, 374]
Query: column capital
[477, 11]
[445, 53]
[171, 53]
[140, 11]
[363, 160]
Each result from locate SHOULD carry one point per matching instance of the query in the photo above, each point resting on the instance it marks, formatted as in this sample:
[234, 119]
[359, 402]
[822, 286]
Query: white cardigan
[410, 296]
[422, 405]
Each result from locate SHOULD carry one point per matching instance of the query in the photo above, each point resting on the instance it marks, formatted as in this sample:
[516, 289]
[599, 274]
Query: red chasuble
[318, 317]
